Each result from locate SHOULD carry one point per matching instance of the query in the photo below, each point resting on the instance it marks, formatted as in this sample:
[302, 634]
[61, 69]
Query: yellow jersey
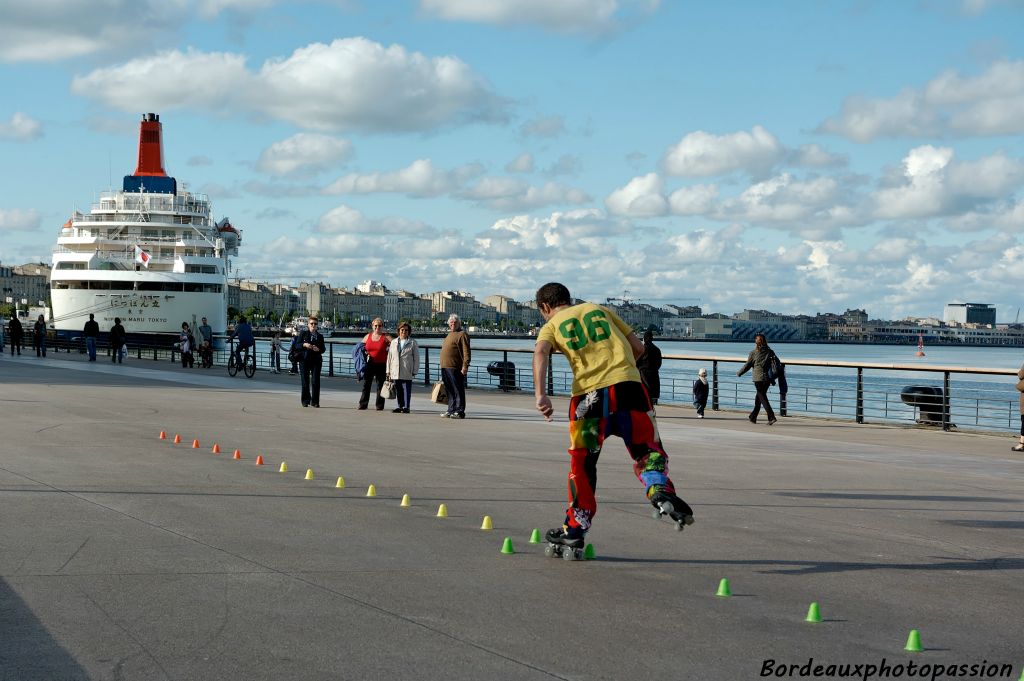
[593, 339]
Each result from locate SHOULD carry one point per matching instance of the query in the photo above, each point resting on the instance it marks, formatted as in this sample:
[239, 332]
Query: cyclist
[245, 339]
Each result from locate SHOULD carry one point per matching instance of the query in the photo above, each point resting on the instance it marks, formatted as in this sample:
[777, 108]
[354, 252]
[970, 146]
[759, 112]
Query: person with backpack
[764, 362]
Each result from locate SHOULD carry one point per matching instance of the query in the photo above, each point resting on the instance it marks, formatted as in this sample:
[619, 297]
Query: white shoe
[700, 416]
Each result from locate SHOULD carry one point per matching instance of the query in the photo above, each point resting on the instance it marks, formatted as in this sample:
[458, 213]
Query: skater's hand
[544, 407]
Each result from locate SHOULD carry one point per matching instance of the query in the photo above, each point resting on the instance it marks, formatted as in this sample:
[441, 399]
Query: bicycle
[248, 363]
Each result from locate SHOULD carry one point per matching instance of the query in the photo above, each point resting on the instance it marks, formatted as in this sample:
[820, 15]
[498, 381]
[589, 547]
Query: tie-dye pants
[623, 409]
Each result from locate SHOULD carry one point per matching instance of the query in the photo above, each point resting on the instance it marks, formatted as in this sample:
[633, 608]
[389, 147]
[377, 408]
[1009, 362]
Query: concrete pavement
[126, 557]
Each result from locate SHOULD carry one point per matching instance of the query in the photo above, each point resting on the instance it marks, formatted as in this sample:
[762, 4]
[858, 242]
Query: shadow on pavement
[27, 651]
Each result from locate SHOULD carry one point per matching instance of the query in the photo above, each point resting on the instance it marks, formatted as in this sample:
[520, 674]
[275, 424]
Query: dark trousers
[115, 352]
[275, 359]
[90, 345]
[373, 371]
[403, 390]
[455, 385]
[188, 360]
[15, 344]
[761, 400]
[700, 405]
[39, 343]
[310, 382]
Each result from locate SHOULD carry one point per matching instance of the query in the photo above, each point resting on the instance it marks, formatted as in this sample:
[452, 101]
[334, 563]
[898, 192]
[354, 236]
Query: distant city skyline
[795, 157]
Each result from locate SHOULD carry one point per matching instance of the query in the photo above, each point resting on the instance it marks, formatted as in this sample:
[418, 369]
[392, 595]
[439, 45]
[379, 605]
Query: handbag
[387, 390]
[439, 394]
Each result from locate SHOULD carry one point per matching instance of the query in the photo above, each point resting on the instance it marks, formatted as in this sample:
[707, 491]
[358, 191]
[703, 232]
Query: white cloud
[816, 156]
[523, 163]
[513, 194]
[304, 155]
[14, 219]
[550, 126]
[566, 16]
[21, 128]
[641, 197]
[52, 30]
[347, 220]
[693, 200]
[566, 164]
[419, 179]
[702, 154]
[991, 103]
[350, 84]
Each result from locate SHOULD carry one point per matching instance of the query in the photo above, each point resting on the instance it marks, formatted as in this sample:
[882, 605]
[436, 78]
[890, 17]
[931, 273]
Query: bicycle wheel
[232, 367]
[250, 366]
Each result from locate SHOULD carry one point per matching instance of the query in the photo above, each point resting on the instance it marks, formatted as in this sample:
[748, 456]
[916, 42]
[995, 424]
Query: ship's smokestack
[151, 150]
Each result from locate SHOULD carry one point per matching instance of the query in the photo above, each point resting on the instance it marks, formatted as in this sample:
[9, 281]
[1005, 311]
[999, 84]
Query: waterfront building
[25, 285]
[970, 313]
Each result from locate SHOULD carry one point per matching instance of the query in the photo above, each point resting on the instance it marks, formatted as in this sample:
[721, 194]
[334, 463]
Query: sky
[798, 156]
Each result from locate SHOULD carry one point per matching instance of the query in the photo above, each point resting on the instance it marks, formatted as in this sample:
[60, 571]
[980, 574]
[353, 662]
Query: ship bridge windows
[169, 234]
[202, 269]
[72, 265]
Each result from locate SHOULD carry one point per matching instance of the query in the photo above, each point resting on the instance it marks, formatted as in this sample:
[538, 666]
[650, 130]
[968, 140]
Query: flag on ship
[142, 257]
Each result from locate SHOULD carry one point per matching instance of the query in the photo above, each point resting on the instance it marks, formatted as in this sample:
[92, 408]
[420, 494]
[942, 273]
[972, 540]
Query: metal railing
[857, 391]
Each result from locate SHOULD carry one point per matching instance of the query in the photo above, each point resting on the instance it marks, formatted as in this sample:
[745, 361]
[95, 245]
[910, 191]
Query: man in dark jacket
[312, 343]
[91, 333]
[649, 364]
[117, 338]
[17, 334]
[39, 336]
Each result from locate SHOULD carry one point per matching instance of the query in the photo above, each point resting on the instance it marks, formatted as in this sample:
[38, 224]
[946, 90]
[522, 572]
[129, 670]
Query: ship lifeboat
[228, 233]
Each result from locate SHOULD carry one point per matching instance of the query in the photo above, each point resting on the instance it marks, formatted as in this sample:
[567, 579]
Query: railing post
[154, 353]
[139, 348]
[551, 377]
[503, 381]
[714, 385]
[426, 366]
[945, 400]
[860, 394]
[330, 360]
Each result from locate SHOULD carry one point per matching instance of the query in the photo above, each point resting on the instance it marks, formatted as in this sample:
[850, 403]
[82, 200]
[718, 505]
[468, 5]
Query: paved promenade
[126, 557]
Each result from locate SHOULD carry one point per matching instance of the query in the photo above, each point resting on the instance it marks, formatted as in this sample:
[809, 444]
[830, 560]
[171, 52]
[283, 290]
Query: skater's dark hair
[553, 295]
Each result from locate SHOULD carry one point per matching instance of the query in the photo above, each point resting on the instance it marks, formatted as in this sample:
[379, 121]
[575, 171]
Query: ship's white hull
[140, 312]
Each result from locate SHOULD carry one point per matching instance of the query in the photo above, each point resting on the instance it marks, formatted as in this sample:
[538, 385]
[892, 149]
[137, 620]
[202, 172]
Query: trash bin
[506, 373]
[927, 399]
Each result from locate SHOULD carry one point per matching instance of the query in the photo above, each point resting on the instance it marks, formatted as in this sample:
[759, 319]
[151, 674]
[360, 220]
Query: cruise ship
[150, 254]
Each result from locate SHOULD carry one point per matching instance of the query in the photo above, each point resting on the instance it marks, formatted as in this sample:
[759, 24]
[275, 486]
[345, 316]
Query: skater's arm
[636, 344]
[541, 358]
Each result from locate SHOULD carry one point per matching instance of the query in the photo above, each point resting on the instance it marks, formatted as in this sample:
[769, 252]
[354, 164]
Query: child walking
[608, 398]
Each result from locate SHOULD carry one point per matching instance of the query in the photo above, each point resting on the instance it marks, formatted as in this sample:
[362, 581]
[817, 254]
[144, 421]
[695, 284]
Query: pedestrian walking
[39, 336]
[117, 338]
[760, 360]
[92, 334]
[311, 341]
[376, 344]
[700, 392]
[649, 364]
[402, 366]
[186, 343]
[608, 398]
[205, 341]
[294, 352]
[17, 333]
[1019, 447]
[275, 353]
[455, 358]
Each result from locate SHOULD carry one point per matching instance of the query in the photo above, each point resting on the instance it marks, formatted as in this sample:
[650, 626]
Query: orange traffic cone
[177, 439]
[195, 444]
[238, 455]
[163, 435]
[259, 460]
[216, 448]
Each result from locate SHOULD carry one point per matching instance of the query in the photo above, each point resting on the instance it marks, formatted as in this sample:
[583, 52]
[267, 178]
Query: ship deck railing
[975, 398]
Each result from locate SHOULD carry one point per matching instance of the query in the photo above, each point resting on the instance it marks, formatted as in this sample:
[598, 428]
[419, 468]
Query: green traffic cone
[1021, 673]
[723, 588]
[507, 546]
[914, 642]
[588, 553]
[535, 537]
[813, 614]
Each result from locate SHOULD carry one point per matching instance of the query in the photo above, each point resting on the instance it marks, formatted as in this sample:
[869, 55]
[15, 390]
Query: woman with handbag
[1019, 447]
[376, 343]
[761, 360]
[403, 364]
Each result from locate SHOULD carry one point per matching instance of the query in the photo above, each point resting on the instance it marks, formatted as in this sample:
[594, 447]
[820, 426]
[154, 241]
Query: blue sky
[796, 156]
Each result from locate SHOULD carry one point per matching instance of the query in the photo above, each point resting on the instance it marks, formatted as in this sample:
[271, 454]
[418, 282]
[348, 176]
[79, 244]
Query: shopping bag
[439, 394]
[387, 390]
